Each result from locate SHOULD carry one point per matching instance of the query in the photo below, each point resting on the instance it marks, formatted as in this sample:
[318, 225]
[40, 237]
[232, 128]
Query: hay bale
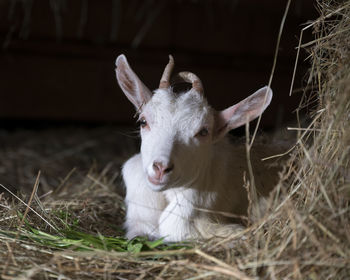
[306, 233]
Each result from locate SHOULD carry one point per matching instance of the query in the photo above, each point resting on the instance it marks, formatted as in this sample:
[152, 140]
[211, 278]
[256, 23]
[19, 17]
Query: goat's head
[179, 130]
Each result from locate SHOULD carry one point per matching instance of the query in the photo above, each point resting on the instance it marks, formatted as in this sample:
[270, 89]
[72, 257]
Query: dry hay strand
[304, 234]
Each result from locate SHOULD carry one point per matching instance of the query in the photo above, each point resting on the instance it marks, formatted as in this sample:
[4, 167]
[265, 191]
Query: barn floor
[60, 152]
[77, 165]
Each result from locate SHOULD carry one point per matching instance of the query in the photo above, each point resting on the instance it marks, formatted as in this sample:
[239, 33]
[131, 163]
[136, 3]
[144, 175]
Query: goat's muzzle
[160, 170]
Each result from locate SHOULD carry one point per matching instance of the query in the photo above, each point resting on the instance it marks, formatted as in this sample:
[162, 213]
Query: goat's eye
[143, 122]
[203, 132]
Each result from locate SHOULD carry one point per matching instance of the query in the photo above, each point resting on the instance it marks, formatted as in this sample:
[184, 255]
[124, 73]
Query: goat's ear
[133, 88]
[242, 112]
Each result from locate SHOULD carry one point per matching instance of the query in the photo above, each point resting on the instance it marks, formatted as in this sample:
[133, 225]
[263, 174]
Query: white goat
[187, 170]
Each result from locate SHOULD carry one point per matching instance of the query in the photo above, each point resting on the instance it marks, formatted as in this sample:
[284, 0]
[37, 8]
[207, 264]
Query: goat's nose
[160, 169]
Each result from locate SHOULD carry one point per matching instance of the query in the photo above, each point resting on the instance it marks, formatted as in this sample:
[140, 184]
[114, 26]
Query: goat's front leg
[177, 220]
[143, 206]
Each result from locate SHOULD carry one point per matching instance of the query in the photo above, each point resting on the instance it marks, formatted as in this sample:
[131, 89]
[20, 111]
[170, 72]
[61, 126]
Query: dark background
[57, 57]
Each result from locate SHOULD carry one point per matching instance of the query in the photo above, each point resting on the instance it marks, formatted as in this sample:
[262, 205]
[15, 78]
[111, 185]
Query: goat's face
[176, 137]
[178, 130]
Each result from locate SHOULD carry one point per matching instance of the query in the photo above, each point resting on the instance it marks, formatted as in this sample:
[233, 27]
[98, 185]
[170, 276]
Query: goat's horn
[165, 80]
[193, 79]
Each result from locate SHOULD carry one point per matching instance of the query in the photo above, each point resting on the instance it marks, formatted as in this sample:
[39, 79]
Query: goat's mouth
[157, 184]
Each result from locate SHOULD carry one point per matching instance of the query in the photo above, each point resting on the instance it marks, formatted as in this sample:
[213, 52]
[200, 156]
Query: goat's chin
[163, 185]
[156, 185]
[157, 188]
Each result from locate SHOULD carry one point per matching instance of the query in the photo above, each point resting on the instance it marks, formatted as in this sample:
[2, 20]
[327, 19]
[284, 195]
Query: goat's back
[231, 171]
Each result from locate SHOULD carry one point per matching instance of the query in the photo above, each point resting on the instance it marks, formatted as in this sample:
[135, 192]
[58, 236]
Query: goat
[186, 171]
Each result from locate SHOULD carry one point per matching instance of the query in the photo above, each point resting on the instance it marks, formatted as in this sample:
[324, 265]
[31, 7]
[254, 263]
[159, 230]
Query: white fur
[207, 170]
